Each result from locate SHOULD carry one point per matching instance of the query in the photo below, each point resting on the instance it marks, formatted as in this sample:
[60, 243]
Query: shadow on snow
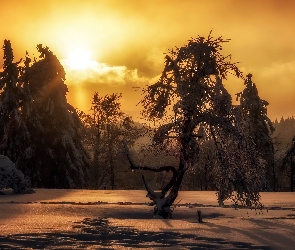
[99, 233]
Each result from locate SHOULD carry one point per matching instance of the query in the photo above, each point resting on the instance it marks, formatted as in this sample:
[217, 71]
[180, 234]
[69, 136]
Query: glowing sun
[79, 59]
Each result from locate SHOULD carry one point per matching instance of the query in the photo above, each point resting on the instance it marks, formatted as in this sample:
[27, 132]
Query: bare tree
[102, 135]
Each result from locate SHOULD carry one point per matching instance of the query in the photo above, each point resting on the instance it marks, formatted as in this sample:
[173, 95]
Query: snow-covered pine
[58, 151]
[14, 135]
[38, 127]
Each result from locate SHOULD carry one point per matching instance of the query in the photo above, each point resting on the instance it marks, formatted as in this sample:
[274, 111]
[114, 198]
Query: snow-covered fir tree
[14, 136]
[41, 127]
[257, 125]
[13, 131]
[56, 155]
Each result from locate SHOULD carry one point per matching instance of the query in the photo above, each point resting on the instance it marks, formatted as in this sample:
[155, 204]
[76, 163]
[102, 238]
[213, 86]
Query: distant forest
[284, 141]
[58, 146]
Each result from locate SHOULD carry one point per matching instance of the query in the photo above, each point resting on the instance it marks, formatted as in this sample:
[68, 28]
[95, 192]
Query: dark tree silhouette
[288, 158]
[104, 130]
[13, 132]
[191, 84]
[257, 126]
[14, 136]
[56, 157]
[39, 130]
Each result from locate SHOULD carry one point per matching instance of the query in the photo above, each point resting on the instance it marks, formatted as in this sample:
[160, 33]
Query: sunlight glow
[79, 59]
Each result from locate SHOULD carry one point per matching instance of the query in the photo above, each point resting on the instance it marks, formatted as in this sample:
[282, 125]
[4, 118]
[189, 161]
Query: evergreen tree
[56, 157]
[13, 131]
[14, 136]
[256, 124]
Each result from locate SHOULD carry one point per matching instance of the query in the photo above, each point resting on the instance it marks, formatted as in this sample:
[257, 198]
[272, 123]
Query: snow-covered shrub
[11, 177]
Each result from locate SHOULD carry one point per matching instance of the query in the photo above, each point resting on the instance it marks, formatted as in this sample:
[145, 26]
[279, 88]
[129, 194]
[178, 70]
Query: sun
[79, 59]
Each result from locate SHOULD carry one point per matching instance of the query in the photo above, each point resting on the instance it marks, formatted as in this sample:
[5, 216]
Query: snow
[123, 219]
[11, 177]
[9, 174]
[28, 153]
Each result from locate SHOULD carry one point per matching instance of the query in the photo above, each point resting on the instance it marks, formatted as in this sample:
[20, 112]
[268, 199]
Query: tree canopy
[191, 97]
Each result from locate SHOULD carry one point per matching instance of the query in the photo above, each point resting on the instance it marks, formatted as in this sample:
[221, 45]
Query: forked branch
[133, 166]
[151, 194]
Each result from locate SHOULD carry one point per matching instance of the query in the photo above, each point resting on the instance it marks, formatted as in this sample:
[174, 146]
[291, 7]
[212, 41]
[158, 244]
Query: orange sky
[127, 39]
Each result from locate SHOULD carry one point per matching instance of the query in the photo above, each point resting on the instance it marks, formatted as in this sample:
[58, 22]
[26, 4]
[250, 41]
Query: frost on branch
[11, 177]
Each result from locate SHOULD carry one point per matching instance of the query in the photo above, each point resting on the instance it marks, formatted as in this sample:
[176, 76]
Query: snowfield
[123, 219]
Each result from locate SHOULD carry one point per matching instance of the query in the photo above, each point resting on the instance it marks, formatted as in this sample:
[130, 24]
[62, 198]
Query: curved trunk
[164, 199]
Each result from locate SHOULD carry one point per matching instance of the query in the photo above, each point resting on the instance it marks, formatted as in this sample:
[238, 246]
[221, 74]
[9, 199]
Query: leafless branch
[133, 166]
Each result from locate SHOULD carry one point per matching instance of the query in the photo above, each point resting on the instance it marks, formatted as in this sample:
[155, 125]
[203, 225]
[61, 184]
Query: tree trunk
[110, 156]
[164, 199]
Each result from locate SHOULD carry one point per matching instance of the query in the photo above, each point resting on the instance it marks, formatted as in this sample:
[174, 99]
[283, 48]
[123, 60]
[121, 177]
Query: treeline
[279, 169]
[284, 131]
[51, 142]
[283, 141]
[58, 146]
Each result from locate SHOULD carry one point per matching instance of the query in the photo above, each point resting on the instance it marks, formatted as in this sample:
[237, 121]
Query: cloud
[106, 79]
[280, 70]
[103, 74]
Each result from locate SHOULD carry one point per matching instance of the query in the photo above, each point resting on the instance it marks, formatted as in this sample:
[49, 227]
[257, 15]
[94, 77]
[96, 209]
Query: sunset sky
[120, 44]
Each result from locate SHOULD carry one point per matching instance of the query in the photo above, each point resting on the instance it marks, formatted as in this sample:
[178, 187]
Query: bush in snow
[11, 177]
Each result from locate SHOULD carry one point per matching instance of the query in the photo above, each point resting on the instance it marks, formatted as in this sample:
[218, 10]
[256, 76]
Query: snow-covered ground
[122, 219]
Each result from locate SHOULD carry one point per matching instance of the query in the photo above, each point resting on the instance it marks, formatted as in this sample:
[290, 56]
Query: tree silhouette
[257, 125]
[104, 130]
[13, 132]
[40, 131]
[56, 152]
[289, 158]
[14, 135]
[191, 86]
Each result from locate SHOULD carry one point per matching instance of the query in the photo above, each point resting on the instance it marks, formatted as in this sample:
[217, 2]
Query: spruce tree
[14, 136]
[13, 131]
[56, 157]
[257, 125]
